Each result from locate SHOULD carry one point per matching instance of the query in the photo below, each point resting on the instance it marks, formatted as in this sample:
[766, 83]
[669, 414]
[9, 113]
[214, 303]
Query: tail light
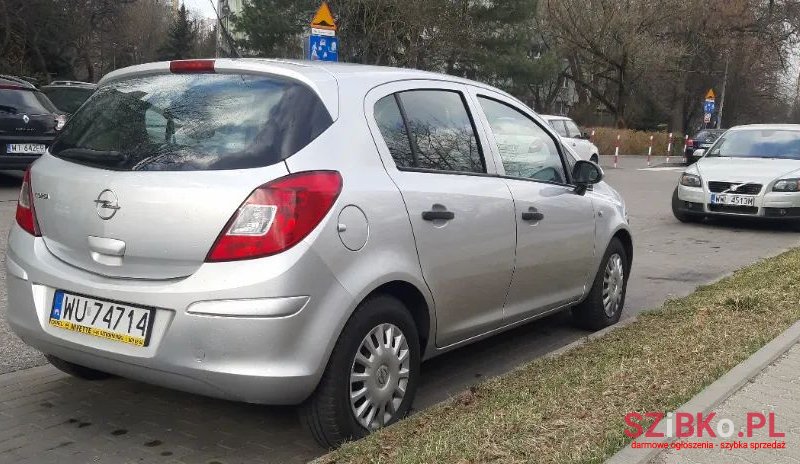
[61, 121]
[689, 142]
[277, 216]
[26, 214]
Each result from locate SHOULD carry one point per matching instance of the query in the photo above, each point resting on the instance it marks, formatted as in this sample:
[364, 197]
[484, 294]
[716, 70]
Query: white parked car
[751, 171]
[573, 137]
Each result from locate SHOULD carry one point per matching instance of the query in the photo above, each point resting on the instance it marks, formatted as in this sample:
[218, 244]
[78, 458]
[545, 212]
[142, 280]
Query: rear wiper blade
[87, 154]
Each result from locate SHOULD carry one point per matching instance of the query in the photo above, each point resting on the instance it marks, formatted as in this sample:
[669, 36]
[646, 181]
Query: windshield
[67, 99]
[760, 143]
[185, 122]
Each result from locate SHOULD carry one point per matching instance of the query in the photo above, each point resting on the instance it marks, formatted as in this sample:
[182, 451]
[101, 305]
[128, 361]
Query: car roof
[55, 84]
[555, 118]
[16, 82]
[792, 127]
[313, 73]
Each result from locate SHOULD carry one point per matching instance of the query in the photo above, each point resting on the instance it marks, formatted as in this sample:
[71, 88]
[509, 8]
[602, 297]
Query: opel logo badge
[107, 204]
[26, 119]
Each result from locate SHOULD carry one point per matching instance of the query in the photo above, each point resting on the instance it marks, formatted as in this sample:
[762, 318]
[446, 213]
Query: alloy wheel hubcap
[613, 284]
[379, 376]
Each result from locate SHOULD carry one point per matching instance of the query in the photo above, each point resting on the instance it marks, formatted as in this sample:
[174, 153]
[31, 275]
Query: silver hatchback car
[295, 233]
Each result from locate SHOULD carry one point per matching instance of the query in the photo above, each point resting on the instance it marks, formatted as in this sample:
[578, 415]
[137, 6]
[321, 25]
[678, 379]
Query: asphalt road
[670, 260]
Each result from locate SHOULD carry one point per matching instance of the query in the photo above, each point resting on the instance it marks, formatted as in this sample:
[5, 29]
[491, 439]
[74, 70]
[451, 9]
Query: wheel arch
[414, 301]
[624, 236]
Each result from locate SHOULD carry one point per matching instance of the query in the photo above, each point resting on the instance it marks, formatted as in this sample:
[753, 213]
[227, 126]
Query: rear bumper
[770, 205]
[263, 358]
[17, 162]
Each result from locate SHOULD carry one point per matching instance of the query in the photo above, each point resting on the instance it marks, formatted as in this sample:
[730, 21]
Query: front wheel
[603, 306]
[372, 375]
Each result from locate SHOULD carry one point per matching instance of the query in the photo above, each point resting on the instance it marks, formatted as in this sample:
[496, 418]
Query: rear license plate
[735, 200]
[100, 318]
[26, 148]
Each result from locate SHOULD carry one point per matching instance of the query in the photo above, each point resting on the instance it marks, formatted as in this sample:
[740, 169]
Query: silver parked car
[294, 233]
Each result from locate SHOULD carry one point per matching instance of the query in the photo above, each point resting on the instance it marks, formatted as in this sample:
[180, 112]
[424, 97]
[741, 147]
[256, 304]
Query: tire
[678, 213]
[328, 413]
[594, 158]
[81, 372]
[591, 314]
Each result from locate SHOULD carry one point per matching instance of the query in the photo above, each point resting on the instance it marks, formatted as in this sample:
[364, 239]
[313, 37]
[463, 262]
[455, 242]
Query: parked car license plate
[735, 200]
[26, 148]
[99, 318]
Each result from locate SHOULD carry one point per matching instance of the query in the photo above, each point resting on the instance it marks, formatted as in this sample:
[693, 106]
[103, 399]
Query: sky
[203, 7]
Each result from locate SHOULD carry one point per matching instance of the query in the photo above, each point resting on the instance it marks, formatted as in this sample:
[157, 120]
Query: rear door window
[438, 128]
[193, 122]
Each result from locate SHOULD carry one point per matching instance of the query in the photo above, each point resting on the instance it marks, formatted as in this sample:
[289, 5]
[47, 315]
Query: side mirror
[584, 174]
[699, 153]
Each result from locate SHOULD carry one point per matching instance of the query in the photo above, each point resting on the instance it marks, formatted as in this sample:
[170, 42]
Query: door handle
[532, 215]
[434, 215]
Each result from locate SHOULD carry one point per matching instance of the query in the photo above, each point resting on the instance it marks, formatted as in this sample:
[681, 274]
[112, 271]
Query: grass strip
[570, 408]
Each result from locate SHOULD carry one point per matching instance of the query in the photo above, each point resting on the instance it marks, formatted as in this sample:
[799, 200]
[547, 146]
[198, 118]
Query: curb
[719, 391]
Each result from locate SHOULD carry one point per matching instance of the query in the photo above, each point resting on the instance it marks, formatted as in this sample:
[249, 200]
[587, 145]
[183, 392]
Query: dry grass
[635, 142]
[570, 408]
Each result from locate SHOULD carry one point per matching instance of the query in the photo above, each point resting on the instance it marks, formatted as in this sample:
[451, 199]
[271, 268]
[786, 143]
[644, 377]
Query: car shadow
[154, 424]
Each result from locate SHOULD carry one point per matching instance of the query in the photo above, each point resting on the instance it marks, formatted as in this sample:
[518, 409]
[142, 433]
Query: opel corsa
[296, 233]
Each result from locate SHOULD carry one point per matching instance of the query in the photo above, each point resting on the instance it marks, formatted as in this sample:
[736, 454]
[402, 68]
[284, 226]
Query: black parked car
[68, 96]
[28, 123]
[701, 140]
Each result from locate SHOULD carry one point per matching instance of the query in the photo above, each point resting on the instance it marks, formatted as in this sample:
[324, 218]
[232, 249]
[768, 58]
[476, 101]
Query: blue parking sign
[323, 48]
[709, 106]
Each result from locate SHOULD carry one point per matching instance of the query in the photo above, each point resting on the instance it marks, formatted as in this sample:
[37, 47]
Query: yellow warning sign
[323, 19]
[711, 95]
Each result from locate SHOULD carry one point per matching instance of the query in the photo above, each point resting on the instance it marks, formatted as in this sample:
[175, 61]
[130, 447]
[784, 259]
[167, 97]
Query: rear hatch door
[26, 116]
[147, 173]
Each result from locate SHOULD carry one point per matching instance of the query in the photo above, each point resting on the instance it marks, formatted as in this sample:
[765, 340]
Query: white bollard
[649, 151]
[616, 153]
[669, 147]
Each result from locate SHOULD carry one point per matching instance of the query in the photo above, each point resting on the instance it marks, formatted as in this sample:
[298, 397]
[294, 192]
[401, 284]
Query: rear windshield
[708, 135]
[193, 122]
[67, 99]
[17, 101]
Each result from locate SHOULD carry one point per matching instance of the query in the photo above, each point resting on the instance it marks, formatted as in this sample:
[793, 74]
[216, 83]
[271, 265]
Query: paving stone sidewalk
[776, 389]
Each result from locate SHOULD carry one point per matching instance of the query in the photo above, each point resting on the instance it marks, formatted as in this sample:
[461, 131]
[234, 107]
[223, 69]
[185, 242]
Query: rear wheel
[603, 306]
[75, 370]
[679, 214]
[371, 377]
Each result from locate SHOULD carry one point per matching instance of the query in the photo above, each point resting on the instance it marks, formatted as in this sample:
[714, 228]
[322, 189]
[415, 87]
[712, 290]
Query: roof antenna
[228, 38]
